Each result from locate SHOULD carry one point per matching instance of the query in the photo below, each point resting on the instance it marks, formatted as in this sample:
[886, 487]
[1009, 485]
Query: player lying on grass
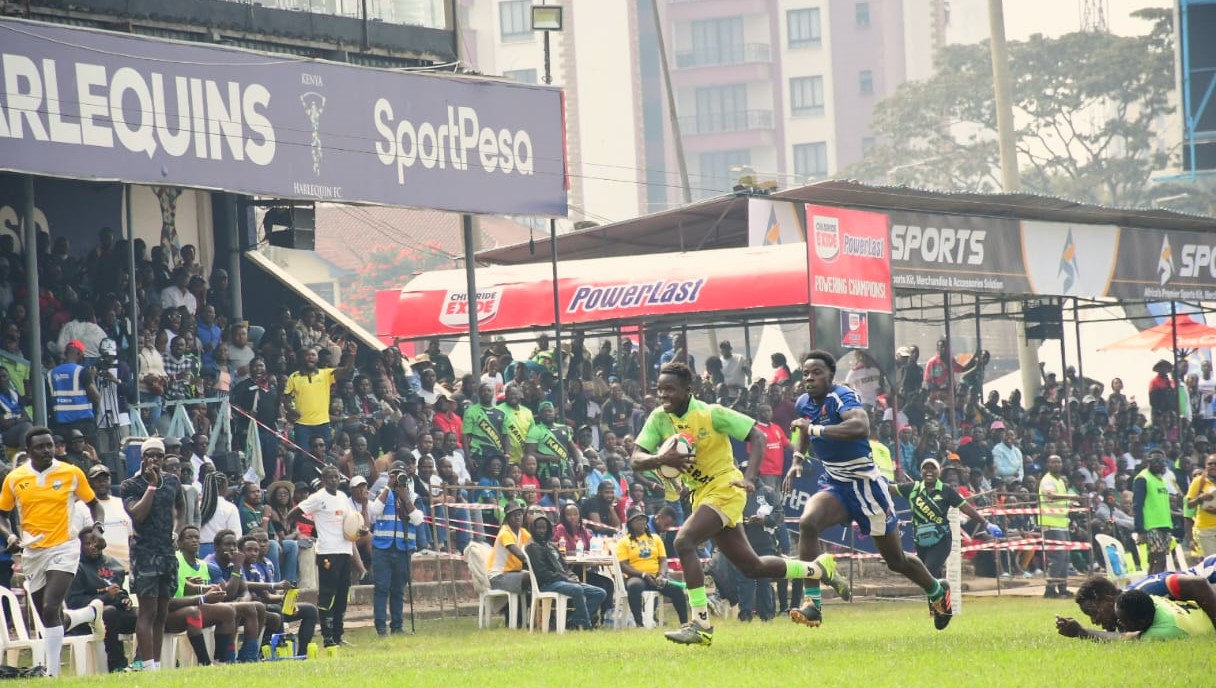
[1189, 609]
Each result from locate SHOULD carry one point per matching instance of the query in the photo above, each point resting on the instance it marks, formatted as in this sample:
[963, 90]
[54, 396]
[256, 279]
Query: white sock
[151, 665]
[75, 617]
[53, 636]
[701, 615]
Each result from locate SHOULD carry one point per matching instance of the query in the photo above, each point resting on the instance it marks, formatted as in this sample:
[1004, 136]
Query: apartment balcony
[689, 10]
[728, 130]
[744, 63]
[744, 53]
[719, 122]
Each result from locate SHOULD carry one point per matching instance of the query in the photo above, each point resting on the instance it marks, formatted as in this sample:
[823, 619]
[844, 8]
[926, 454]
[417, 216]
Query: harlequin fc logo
[314, 105]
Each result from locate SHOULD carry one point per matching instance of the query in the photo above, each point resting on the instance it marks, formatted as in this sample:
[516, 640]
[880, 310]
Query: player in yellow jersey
[44, 491]
[719, 491]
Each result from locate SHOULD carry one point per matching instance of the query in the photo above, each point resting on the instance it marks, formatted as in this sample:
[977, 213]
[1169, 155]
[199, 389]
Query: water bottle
[1116, 562]
[578, 547]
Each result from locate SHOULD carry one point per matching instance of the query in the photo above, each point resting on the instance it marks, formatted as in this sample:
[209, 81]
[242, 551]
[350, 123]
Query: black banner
[957, 253]
[1158, 265]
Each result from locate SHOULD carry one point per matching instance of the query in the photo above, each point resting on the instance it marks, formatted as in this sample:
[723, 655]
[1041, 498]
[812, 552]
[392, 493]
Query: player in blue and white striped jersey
[852, 490]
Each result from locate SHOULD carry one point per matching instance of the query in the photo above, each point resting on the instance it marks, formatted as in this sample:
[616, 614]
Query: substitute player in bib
[852, 489]
[44, 491]
[719, 490]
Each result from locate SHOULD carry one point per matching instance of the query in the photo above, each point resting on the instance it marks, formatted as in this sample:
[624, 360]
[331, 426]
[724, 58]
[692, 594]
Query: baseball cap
[99, 469]
[931, 462]
[357, 481]
[108, 347]
[515, 505]
[75, 343]
[635, 513]
[997, 425]
[152, 443]
[903, 351]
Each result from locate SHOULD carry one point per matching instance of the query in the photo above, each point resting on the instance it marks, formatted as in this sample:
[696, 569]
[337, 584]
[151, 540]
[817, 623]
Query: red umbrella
[1190, 335]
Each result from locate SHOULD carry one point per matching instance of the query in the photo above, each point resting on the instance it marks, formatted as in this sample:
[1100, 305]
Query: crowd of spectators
[554, 430]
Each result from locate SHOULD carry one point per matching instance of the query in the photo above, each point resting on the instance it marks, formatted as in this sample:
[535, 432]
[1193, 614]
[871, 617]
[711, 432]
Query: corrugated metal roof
[722, 222]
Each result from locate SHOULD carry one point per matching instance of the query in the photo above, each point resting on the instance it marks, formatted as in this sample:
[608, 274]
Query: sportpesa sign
[85, 104]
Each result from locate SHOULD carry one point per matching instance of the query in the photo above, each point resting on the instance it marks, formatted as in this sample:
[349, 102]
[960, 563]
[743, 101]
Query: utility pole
[1028, 355]
[681, 163]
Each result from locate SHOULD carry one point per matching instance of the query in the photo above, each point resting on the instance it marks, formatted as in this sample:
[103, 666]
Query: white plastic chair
[15, 641]
[175, 651]
[88, 652]
[489, 601]
[1106, 543]
[622, 616]
[544, 603]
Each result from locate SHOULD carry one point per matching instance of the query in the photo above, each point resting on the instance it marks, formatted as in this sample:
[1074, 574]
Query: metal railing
[742, 53]
[718, 122]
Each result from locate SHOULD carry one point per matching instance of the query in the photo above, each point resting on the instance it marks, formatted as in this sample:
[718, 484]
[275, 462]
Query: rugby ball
[352, 523]
[684, 445]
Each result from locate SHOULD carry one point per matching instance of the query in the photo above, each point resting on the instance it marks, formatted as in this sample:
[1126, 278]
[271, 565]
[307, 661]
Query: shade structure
[624, 290]
[1182, 333]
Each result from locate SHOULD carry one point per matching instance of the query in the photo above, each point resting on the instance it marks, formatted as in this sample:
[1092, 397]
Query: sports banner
[773, 222]
[628, 288]
[848, 258]
[957, 253]
[1160, 265]
[95, 105]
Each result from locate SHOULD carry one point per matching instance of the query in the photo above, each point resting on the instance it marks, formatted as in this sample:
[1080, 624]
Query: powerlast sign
[102, 106]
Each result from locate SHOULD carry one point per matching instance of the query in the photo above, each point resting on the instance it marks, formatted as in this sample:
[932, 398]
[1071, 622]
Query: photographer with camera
[396, 517]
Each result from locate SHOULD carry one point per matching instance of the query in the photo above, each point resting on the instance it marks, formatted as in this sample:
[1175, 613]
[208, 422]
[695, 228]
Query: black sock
[225, 648]
[199, 643]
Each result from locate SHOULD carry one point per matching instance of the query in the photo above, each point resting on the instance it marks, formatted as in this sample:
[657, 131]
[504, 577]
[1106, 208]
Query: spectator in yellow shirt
[644, 563]
[1202, 497]
[307, 395]
[506, 563]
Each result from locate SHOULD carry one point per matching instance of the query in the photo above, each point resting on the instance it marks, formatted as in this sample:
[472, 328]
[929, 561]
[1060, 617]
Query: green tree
[387, 267]
[1088, 109]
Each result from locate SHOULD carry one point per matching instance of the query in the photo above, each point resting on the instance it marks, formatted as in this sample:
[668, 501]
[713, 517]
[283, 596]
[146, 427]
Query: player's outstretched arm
[1071, 628]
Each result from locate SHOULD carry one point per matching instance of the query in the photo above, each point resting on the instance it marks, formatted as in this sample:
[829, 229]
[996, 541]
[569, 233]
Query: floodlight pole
[557, 308]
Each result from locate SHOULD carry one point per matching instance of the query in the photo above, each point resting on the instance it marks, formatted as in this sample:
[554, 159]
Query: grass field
[997, 642]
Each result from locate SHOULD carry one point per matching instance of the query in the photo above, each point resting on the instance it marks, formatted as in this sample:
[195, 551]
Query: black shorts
[154, 575]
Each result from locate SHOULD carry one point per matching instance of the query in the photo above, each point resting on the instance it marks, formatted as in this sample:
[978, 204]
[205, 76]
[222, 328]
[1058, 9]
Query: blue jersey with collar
[842, 459]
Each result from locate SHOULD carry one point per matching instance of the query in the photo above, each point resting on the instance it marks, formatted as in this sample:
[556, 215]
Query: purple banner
[63, 208]
[88, 104]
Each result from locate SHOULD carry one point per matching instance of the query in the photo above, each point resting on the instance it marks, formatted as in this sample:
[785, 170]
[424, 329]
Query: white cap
[152, 443]
[357, 481]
